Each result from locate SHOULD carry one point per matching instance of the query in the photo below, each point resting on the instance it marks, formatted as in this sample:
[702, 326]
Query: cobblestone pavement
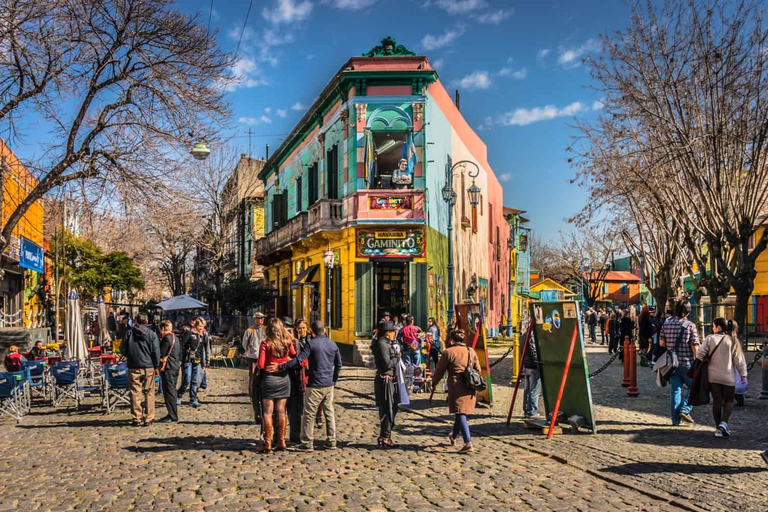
[64, 460]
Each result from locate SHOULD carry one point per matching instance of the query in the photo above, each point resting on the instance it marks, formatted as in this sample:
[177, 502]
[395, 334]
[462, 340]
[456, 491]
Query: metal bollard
[515, 358]
[632, 391]
[625, 380]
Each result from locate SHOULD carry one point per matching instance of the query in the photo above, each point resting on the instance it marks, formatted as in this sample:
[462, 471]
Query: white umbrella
[75, 334]
[181, 302]
[104, 337]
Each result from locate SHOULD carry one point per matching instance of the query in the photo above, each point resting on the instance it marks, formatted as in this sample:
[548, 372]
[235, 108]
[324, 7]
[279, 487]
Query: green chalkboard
[554, 324]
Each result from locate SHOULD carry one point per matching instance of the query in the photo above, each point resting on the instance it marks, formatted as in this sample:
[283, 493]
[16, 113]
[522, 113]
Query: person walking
[645, 334]
[277, 348]
[592, 323]
[141, 348]
[170, 362]
[725, 354]
[195, 354]
[626, 330]
[461, 399]
[409, 336]
[323, 371]
[385, 388]
[252, 339]
[436, 350]
[112, 325]
[602, 321]
[680, 334]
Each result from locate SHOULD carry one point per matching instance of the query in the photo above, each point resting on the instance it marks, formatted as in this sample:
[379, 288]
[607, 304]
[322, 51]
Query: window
[298, 195]
[312, 195]
[624, 289]
[279, 210]
[605, 288]
[490, 223]
[491, 295]
[332, 172]
[388, 150]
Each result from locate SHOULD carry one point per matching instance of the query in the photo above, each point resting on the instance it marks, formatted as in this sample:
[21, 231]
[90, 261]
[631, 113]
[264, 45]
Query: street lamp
[329, 260]
[200, 151]
[511, 247]
[449, 196]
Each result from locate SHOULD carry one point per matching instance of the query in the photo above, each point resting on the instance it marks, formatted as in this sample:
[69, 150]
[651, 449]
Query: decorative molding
[389, 48]
[361, 109]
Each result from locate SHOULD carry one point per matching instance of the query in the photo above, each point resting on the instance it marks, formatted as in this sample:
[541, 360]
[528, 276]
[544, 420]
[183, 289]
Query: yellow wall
[18, 183]
[311, 253]
[761, 266]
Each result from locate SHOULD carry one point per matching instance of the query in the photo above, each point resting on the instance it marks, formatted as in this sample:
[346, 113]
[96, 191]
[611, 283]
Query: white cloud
[244, 74]
[287, 11]
[298, 106]
[252, 121]
[281, 112]
[460, 6]
[519, 74]
[506, 176]
[268, 110]
[571, 57]
[477, 80]
[432, 42]
[542, 54]
[438, 63]
[525, 116]
[493, 17]
[350, 5]
[598, 105]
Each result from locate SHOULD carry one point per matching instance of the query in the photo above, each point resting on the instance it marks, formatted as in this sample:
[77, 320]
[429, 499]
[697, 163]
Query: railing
[326, 214]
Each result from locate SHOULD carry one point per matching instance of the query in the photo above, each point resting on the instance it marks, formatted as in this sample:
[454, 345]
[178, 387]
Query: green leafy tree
[90, 271]
[242, 295]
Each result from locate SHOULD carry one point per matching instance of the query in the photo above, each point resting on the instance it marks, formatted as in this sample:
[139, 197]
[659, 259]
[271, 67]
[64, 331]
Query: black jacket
[531, 358]
[111, 324]
[626, 328]
[141, 347]
[195, 347]
[324, 362]
[174, 354]
[384, 356]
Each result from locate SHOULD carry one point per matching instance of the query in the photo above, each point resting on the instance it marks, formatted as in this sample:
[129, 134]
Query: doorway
[391, 288]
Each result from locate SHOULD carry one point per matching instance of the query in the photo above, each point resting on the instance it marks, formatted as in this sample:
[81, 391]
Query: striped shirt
[669, 333]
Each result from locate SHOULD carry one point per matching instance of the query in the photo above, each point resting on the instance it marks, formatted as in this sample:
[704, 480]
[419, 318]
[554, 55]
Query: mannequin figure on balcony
[401, 178]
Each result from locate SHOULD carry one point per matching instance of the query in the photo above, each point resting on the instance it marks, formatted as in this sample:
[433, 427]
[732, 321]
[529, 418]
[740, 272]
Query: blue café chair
[12, 400]
[116, 388]
[35, 376]
[64, 385]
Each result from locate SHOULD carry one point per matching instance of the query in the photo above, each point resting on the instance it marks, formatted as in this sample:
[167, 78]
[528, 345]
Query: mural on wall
[391, 243]
[483, 293]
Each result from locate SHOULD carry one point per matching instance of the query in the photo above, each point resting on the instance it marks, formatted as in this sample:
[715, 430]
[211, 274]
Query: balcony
[364, 207]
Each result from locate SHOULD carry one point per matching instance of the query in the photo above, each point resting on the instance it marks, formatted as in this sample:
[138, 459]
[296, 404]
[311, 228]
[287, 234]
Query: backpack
[472, 378]
[666, 365]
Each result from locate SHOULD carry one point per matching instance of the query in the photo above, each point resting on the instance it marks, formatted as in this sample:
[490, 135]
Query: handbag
[472, 378]
[699, 373]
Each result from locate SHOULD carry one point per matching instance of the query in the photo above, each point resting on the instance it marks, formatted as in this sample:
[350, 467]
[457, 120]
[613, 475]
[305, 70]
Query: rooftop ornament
[389, 48]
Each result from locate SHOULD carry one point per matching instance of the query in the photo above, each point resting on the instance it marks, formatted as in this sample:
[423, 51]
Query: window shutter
[417, 281]
[363, 299]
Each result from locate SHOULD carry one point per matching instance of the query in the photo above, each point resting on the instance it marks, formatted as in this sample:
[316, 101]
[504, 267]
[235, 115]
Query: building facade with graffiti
[361, 177]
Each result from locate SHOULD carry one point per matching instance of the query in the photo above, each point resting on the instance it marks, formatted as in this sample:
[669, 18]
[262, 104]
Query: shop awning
[305, 276]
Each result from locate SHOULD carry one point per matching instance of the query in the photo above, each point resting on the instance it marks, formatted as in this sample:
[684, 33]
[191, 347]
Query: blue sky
[516, 64]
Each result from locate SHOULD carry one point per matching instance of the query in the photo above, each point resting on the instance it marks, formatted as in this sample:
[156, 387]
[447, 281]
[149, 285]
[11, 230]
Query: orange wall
[18, 182]
[633, 297]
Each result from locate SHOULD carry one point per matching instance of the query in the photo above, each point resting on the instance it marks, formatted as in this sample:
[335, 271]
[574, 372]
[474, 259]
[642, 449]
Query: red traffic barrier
[632, 391]
[625, 380]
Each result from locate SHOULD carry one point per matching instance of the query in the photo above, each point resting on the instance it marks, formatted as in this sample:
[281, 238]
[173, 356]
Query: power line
[210, 13]
[237, 49]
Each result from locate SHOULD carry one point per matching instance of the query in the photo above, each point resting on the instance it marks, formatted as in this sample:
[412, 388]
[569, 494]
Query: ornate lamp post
[511, 247]
[200, 151]
[449, 196]
[329, 261]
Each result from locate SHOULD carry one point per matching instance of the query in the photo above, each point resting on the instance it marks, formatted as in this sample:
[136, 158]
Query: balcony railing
[337, 214]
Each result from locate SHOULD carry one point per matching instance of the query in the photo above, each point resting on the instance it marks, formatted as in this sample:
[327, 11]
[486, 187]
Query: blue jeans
[592, 335]
[411, 356]
[532, 391]
[204, 381]
[680, 403]
[190, 376]
[461, 426]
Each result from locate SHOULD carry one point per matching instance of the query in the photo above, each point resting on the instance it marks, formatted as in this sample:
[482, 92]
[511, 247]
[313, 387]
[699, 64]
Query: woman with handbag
[459, 360]
[722, 353]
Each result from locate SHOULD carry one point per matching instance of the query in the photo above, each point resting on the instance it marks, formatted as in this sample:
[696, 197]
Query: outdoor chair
[116, 390]
[35, 375]
[12, 399]
[64, 383]
[226, 357]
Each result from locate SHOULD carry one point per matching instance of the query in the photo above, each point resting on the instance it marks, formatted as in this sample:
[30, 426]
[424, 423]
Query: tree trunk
[743, 289]
[660, 296]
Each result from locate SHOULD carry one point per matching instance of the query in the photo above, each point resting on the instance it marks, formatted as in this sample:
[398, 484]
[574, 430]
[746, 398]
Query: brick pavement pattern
[67, 460]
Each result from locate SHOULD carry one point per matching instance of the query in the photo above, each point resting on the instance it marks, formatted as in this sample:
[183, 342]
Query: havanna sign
[391, 243]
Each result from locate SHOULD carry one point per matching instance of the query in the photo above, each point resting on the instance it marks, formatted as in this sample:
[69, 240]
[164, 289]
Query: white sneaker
[718, 432]
[724, 427]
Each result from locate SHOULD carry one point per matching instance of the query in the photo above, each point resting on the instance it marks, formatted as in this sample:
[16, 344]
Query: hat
[386, 313]
[385, 326]
[287, 321]
[258, 314]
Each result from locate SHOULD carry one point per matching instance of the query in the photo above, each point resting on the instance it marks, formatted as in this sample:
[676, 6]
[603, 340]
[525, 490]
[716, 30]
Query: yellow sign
[389, 235]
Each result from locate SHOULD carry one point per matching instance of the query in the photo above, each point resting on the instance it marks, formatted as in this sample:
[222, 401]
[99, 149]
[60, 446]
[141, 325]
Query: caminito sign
[391, 243]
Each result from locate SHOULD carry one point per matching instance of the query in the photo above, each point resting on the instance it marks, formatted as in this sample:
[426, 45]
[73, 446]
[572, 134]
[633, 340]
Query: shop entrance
[391, 288]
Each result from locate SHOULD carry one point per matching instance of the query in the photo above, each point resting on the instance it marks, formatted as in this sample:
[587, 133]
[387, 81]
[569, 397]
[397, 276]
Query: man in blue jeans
[679, 334]
[532, 380]
[195, 356]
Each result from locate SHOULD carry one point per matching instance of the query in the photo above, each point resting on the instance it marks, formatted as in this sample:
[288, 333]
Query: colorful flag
[370, 160]
[411, 155]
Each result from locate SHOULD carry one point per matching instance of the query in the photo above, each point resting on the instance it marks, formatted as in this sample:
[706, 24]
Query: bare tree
[135, 75]
[175, 233]
[684, 88]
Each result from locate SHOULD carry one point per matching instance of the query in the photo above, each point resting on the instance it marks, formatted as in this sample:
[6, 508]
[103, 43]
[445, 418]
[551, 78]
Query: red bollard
[625, 380]
[632, 391]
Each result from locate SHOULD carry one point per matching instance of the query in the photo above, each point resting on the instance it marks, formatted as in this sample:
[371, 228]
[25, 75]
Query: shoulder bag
[699, 373]
[472, 378]
[164, 360]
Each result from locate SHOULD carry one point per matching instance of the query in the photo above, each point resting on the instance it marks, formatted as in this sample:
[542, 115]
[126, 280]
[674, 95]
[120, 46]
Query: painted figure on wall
[472, 288]
[401, 178]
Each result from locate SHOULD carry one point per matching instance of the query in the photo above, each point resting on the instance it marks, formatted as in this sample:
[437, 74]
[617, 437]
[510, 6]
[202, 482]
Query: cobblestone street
[59, 460]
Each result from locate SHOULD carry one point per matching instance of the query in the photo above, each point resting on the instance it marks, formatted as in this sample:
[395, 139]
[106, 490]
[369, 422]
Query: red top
[13, 362]
[266, 358]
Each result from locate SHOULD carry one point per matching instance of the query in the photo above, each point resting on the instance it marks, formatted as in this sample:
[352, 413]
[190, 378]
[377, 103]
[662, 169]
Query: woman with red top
[275, 386]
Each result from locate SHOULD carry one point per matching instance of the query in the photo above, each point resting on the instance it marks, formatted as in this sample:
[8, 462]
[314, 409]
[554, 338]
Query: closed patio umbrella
[75, 334]
[104, 337]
